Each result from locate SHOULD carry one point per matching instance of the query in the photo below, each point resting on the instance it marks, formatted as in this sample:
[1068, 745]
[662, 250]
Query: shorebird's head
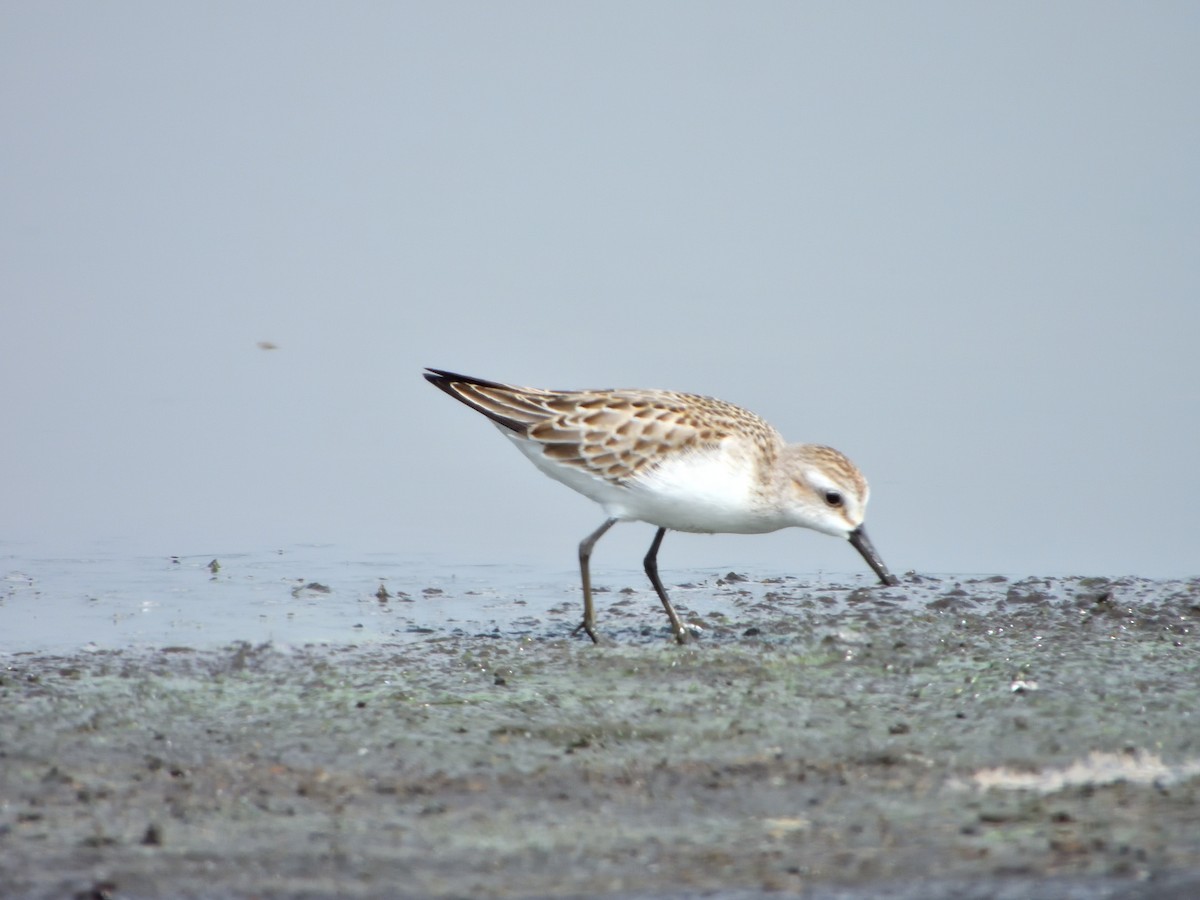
[828, 493]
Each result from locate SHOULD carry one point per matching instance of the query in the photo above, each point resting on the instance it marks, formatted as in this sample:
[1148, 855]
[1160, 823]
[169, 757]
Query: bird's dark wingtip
[452, 383]
[442, 378]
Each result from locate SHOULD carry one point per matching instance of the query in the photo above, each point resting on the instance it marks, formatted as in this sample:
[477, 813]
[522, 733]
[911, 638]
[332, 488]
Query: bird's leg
[585, 554]
[651, 564]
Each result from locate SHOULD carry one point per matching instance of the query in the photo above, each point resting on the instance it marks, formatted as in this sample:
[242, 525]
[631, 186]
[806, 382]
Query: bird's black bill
[861, 543]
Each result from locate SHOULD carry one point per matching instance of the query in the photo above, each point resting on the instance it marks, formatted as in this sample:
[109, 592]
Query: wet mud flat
[944, 738]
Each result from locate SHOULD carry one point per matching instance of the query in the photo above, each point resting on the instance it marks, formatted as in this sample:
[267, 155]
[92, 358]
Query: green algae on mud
[944, 732]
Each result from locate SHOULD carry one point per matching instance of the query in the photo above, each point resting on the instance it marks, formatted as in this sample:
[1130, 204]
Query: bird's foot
[685, 634]
[589, 628]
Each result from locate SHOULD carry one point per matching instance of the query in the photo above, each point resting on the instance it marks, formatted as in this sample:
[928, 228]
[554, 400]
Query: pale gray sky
[957, 241]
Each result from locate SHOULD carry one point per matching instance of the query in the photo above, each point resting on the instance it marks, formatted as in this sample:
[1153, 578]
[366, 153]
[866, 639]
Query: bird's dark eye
[833, 498]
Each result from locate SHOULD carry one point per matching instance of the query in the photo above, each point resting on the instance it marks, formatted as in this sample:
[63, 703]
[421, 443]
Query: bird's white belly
[704, 492]
[707, 492]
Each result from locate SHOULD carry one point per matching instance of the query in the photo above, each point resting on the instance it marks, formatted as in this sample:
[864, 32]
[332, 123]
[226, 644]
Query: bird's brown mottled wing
[615, 435]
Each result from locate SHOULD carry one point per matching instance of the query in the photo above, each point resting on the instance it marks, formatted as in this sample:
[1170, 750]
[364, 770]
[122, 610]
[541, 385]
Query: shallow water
[108, 598]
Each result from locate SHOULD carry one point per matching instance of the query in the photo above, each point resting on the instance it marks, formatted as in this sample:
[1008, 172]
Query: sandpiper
[682, 462]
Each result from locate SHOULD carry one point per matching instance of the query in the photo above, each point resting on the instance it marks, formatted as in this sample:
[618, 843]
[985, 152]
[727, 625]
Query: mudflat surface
[944, 738]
